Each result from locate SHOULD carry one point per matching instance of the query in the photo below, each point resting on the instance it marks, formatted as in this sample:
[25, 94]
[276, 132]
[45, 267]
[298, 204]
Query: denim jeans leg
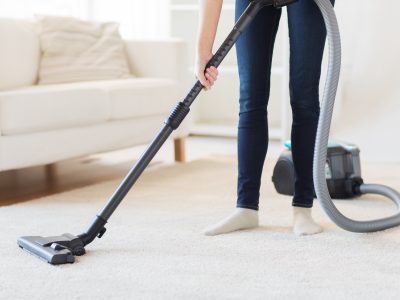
[307, 35]
[254, 55]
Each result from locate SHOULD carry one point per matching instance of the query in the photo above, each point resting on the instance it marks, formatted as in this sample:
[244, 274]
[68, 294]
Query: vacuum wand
[61, 249]
[175, 118]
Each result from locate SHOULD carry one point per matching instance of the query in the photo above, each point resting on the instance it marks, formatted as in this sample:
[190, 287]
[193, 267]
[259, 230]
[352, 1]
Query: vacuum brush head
[55, 250]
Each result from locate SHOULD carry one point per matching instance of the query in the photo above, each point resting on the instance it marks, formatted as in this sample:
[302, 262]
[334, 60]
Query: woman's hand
[209, 13]
[206, 77]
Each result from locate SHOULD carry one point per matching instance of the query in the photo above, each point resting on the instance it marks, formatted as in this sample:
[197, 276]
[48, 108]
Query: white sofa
[43, 124]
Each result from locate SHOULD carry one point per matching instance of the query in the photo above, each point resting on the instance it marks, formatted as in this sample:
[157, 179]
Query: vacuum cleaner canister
[342, 170]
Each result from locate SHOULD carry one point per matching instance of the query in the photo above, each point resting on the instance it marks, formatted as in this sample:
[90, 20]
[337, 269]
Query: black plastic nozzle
[55, 250]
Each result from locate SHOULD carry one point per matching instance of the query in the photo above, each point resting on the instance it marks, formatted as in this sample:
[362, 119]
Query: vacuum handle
[241, 24]
[245, 19]
[219, 56]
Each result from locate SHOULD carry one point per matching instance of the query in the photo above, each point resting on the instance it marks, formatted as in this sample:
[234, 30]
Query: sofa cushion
[141, 97]
[41, 108]
[19, 54]
[74, 50]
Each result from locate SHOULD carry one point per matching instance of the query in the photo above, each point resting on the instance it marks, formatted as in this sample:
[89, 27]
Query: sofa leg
[51, 173]
[179, 148]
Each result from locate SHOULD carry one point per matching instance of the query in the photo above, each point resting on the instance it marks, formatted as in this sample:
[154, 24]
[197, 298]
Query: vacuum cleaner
[342, 171]
[63, 249]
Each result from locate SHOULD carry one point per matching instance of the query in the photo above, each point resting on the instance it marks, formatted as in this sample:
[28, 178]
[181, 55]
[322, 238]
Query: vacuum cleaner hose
[322, 137]
[381, 190]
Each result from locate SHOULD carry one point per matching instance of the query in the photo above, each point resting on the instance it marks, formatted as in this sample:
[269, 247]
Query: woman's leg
[254, 54]
[307, 40]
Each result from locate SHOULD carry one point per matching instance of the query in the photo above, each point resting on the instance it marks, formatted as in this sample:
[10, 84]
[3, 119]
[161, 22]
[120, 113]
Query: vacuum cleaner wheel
[283, 176]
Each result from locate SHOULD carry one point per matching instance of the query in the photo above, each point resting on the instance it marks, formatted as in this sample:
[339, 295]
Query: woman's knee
[304, 111]
[304, 97]
[255, 118]
[253, 97]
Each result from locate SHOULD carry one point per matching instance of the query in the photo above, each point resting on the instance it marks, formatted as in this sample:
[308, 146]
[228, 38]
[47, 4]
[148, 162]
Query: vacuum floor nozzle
[55, 250]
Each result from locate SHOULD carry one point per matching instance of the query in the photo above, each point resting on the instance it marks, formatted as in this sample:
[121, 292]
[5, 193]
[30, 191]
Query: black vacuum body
[342, 170]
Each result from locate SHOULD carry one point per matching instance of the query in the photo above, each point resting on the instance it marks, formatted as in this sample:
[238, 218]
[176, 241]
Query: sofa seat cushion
[141, 97]
[42, 108]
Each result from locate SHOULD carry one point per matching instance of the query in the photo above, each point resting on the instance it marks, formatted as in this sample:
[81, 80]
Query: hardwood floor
[27, 184]
[30, 183]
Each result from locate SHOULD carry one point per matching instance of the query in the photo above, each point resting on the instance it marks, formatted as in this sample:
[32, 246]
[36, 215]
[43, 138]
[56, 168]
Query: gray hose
[381, 190]
[321, 142]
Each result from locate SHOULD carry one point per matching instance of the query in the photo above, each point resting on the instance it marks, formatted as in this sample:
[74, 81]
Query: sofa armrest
[158, 58]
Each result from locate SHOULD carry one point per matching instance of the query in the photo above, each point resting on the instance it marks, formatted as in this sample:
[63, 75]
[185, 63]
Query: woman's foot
[242, 218]
[303, 223]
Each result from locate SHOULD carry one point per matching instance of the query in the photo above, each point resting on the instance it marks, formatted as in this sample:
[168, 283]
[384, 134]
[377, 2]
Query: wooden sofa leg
[179, 148]
[51, 173]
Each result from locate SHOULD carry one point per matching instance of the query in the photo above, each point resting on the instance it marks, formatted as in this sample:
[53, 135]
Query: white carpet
[154, 248]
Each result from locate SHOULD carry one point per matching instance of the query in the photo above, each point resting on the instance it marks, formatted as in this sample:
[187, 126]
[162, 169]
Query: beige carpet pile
[154, 249]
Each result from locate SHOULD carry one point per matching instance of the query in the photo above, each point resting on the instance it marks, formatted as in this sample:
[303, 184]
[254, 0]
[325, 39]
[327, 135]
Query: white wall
[369, 114]
[138, 19]
[28, 8]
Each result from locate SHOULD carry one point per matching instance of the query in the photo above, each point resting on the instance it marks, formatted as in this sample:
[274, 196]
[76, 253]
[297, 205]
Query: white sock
[242, 218]
[303, 223]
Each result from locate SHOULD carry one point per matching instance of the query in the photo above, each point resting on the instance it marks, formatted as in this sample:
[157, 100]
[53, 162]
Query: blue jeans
[307, 35]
